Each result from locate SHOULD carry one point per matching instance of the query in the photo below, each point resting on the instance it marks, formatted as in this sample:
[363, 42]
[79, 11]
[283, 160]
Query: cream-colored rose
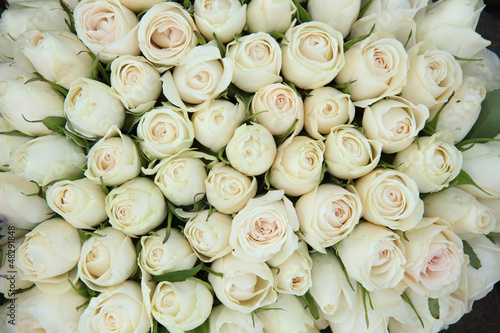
[270, 15]
[327, 215]
[228, 190]
[244, 286]
[390, 198]
[48, 251]
[461, 112]
[257, 61]
[16, 104]
[395, 122]
[181, 177]
[209, 234]
[107, 28]
[282, 106]
[313, 54]
[374, 256]
[139, 5]
[162, 253]
[80, 202]
[48, 158]
[224, 320]
[215, 123]
[201, 75]
[252, 149]
[293, 276]
[120, 307]
[181, 306]
[8, 143]
[10, 280]
[451, 26]
[339, 14]
[14, 199]
[108, 258]
[91, 108]
[324, 108]
[135, 82]
[164, 132]
[166, 33]
[331, 288]
[487, 69]
[225, 18]
[349, 154]
[435, 258]
[376, 67]
[264, 230]
[136, 207]
[298, 166]
[433, 162]
[432, 77]
[113, 159]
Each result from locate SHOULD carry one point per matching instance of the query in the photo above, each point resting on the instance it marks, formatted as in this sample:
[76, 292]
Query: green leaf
[465, 59]
[71, 22]
[281, 138]
[84, 235]
[221, 47]
[473, 258]
[16, 133]
[433, 307]
[488, 123]
[311, 305]
[200, 37]
[364, 9]
[463, 178]
[177, 276]
[203, 328]
[407, 299]
[350, 43]
[55, 124]
[277, 35]
[302, 14]
[39, 77]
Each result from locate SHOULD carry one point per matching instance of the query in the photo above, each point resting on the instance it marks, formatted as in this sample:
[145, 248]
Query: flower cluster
[254, 166]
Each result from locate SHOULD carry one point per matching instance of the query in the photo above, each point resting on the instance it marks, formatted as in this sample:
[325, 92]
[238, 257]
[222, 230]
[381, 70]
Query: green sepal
[363, 9]
[473, 258]
[302, 14]
[200, 37]
[39, 77]
[407, 299]
[488, 122]
[350, 43]
[311, 304]
[433, 307]
[177, 276]
[221, 47]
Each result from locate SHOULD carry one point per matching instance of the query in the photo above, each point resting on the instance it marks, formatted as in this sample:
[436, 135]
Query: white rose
[16, 104]
[461, 112]
[224, 320]
[135, 82]
[181, 306]
[166, 33]
[331, 288]
[324, 108]
[390, 198]
[395, 122]
[251, 150]
[257, 61]
[136, 207]
[349, 154]
[164, 132]
[114, 159]
[487, 69]
[450, 25]
[209, 234]
[215, 123]
[298, 166]
[244, 286]
[264, 230]
[282, 106]
[374, 256]
[10, 280]
[80, 202]
[181, 177]
[48, 251]
[313, 54]
[435, 258]
[107, 28]
[339, 14]
[229, 190]
[91, 108]
[119, 307]
[14, 199]
[293, 276]
[59, 56]
[378, 67]
[108, 258]
[432, 77]
[201, 75]
[47, 158]
[225, 18]
[270, 15]
[8, 143]
[327, 215]
[162, 253]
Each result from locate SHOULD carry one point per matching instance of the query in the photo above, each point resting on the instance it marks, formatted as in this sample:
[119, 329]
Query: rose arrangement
[253, 166]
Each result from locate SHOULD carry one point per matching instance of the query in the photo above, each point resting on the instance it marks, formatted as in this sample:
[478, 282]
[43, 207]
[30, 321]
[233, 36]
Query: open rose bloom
[261, 166]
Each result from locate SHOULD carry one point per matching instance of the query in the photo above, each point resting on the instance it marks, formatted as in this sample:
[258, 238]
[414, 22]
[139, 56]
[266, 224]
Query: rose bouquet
[246, 166]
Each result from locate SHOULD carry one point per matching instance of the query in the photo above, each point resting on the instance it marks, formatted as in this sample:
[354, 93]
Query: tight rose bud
[270, 15]
[339, 14]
